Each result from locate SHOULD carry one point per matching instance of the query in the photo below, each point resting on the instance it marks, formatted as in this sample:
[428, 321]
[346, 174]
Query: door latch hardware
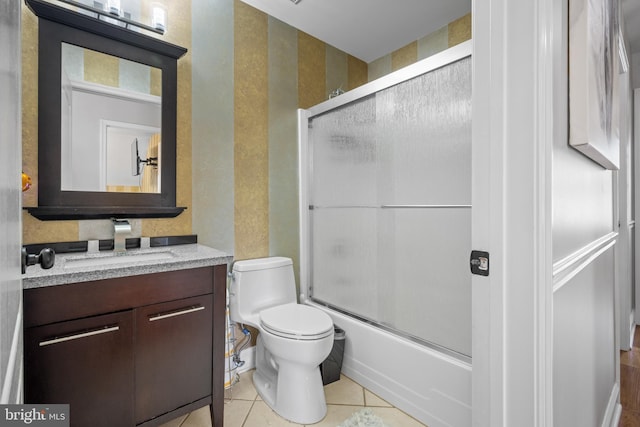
[479, 263]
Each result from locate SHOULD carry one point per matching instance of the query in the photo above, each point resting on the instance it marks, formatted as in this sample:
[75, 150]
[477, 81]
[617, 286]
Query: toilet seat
[297, 322]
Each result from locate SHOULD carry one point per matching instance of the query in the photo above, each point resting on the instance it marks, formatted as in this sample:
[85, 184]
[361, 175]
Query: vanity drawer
[65, 302]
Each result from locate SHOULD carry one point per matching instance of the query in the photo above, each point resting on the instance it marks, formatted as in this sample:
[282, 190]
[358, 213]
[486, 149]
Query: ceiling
[366, 29]
[370, 29]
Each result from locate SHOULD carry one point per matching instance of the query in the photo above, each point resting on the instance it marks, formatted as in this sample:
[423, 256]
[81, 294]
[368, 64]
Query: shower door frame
[447, 57]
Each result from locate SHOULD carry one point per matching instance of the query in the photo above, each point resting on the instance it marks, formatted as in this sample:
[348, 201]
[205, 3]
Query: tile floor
[244, 408]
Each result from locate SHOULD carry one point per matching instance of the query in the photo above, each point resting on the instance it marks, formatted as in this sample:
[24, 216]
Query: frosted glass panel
[426, 289]
[344, 155]
[390, 190]
[345, 258]
[424, 129]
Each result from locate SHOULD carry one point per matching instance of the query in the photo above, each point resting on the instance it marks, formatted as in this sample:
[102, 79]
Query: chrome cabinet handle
[174, 313]
[89, 333]
[425, 206]
[312, 207]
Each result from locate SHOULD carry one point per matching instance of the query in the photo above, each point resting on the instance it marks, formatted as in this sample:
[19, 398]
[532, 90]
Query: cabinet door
[173, 355]
[86, 363]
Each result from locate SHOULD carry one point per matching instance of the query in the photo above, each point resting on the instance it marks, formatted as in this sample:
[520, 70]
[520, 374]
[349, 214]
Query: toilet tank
[257, 284]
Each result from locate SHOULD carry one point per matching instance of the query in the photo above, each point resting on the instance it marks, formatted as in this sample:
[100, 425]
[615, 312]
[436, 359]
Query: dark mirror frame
[55, 26]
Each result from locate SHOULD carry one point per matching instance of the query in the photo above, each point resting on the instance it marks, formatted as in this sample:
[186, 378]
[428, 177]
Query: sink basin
[114, 259]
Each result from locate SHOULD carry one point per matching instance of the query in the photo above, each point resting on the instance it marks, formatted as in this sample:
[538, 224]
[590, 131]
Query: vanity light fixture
[113, 7]
[113, 11]
[159, 18]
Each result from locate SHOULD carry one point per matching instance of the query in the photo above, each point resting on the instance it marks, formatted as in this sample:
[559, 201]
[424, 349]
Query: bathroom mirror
[82, 185]
[119, 101]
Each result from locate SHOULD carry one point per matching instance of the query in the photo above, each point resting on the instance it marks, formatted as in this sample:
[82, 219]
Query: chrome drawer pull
[180, 312]
[92, 332]
[425, 206]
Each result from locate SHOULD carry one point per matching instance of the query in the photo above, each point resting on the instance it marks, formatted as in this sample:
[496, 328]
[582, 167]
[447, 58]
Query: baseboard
[614, 409]
[248, 356]
[615, 421]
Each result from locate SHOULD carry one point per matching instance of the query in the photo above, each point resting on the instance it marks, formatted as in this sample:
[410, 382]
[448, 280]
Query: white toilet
[294, 338]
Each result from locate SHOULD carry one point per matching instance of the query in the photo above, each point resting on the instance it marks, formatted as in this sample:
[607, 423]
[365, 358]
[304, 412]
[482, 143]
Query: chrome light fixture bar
[122, 19]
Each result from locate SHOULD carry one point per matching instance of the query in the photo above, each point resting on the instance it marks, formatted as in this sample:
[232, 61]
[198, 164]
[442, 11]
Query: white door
[10, 204]
[515, 47]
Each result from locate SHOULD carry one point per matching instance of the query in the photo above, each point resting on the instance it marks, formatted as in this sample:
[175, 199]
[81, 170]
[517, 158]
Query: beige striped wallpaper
[448, 36]
[277, 69]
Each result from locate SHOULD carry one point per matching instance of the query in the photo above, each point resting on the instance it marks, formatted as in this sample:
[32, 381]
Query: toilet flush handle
[231, 276]
[230, 273]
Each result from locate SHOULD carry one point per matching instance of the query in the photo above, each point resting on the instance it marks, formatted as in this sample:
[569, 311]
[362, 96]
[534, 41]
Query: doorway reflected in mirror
[107, 103]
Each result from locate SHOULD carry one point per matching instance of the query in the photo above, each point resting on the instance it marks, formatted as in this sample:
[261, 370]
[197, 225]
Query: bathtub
[432, 387]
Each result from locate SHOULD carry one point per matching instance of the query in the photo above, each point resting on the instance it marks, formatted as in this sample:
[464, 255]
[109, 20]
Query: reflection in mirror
[108, 104]
[126, 171]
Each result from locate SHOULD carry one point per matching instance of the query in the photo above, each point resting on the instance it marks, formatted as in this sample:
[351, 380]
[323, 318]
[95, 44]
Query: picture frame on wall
[593, 80]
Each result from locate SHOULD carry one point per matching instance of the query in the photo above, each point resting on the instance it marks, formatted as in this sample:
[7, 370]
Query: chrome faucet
[121, 229]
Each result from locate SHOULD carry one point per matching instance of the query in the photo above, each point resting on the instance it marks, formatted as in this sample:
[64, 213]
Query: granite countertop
[84, 267]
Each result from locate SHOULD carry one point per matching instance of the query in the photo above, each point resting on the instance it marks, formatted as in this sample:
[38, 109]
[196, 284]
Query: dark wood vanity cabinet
[138, 350]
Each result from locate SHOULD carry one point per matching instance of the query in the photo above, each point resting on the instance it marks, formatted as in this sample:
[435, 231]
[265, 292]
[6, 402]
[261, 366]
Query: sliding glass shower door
[389, 191]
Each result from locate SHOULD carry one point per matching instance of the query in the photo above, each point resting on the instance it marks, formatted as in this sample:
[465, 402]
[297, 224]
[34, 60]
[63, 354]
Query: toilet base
[293, 391]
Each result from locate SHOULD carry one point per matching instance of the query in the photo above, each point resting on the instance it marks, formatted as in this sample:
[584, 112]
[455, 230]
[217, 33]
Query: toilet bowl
[293, 340]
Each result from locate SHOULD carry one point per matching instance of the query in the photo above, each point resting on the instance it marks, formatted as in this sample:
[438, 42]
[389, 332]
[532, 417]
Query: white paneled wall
[584, 239]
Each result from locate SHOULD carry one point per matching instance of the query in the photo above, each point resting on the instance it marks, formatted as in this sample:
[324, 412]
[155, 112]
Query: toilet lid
[296, 321]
